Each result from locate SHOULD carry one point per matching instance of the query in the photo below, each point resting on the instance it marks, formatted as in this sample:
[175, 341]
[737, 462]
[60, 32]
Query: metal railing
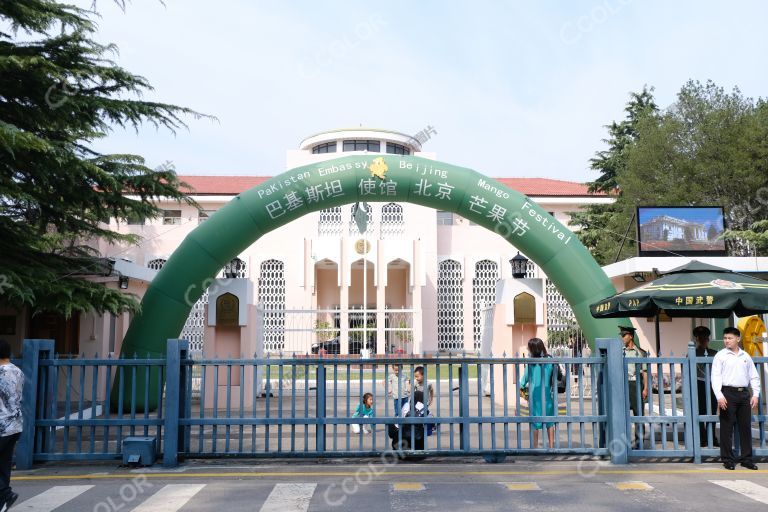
[305, 408]
[306, 331]
[82, 409]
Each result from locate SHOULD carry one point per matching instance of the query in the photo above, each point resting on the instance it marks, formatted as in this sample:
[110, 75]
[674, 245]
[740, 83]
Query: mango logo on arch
[378, 168]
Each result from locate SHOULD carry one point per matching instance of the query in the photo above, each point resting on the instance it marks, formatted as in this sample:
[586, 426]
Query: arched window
[562, 326]
[524, 305]
[483, 295]
[330, 222]
[227, 310]
[450, 306]
[353, 229]
[392, 223]
[272, 299]
[156, 264]
[194, 328]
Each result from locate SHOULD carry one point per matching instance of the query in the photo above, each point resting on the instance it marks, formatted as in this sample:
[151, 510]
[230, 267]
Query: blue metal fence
[308, 406]
[304, 407]
[68, 410]
[671, 423]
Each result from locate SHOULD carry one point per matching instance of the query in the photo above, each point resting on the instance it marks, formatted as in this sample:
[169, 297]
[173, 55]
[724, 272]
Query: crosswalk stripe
[289, 498]
[170, 498]
[632, 486]
[521, 486]
[51, 498]
[407, 486]
[745, 488]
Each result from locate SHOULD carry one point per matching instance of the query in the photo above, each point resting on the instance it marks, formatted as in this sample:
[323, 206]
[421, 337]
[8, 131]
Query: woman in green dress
[537, 378]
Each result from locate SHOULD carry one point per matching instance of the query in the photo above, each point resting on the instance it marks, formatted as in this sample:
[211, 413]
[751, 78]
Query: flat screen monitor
[680, 231]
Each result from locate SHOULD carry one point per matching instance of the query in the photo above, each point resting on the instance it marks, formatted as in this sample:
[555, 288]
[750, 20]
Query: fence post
[617, 407]
[692, 408]
[320, 408]
[32, 352]
[464, 406]
[175, 400]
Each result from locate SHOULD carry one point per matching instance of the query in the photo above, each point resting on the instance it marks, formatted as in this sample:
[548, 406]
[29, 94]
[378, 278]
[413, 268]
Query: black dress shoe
[12, 497]
[729, 465]
[749, 465]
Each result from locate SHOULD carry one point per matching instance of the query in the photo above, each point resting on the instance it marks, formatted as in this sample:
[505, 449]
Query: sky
[512, 89]
[704, 215]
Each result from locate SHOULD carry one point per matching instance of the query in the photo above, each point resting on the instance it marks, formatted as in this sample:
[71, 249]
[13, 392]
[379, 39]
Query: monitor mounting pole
[624, 238]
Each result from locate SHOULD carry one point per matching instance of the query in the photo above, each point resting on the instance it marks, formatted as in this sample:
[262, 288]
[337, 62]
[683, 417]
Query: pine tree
[610, 162]
[602, 226]
[59, 92]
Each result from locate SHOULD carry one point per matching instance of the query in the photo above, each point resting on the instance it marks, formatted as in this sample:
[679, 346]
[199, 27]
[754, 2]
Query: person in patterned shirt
[11, 385]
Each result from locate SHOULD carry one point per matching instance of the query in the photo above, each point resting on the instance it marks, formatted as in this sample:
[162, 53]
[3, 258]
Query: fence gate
[662, 425]
[82, 409]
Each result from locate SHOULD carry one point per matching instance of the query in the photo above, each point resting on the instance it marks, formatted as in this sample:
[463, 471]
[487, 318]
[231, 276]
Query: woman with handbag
[537, 379]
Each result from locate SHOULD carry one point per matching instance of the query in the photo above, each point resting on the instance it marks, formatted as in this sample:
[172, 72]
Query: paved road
[534, 485]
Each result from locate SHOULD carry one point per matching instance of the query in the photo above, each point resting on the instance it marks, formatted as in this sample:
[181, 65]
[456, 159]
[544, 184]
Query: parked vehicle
[333, 346]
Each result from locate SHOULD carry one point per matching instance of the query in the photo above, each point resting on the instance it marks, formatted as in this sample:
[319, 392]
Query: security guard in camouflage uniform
[635, 404]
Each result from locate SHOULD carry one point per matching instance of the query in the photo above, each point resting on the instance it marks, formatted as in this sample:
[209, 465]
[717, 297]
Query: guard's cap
[623, 329]
[701, 331]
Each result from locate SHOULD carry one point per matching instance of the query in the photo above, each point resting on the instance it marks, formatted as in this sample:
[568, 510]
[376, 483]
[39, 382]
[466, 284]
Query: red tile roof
[233, 185]
[223, 185]
[546, 187]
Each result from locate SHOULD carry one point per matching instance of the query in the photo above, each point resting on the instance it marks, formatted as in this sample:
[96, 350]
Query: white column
[416, 306]
[344, 277]
[468, 273]
[381, 303]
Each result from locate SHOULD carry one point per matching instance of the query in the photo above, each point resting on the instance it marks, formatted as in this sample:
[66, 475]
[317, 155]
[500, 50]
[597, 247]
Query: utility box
[139, 451]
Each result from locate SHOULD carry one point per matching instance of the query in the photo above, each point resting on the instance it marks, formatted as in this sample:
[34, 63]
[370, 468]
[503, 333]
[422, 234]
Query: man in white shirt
[733, 374]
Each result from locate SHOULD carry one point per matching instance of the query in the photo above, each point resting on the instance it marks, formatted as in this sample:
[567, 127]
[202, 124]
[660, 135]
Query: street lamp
[519, 266]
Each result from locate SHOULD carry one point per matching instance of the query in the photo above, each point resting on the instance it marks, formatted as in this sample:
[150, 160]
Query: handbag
[561, 384]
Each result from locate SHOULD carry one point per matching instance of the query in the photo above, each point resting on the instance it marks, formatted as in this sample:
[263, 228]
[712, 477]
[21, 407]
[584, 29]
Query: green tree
[756, 235]
[59, 92]
[711, 232]
[621, 136]
[602, 227]
[708, 148]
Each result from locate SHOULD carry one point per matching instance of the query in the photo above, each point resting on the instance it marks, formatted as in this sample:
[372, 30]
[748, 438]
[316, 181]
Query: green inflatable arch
[373, 178]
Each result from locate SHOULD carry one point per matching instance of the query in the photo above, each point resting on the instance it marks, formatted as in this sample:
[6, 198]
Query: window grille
[194, 328]
[272, 299]
[450, 307]
[330, 222]
[483, 294]
[353, 229]
[392, 223]
[562, 328]
[156, 264]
